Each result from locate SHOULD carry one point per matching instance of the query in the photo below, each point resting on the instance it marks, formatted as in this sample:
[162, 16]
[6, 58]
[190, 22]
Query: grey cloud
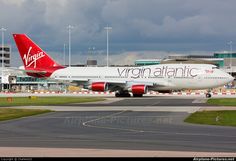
[137, 24]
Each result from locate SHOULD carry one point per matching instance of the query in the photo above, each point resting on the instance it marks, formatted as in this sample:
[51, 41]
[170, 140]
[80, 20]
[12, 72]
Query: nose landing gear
[208, 94]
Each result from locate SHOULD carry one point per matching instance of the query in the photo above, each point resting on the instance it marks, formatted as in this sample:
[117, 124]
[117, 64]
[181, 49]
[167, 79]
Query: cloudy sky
[141, 28]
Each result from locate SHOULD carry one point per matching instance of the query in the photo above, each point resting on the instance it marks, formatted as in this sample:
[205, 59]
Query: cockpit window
[215, 67]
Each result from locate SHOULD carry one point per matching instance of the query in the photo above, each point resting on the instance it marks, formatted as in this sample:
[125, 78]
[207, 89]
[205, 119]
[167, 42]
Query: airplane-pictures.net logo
[32, 59]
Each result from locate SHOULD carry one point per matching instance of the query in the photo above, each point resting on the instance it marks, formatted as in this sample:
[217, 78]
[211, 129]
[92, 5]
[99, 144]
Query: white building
[16, 81]
[6, 56]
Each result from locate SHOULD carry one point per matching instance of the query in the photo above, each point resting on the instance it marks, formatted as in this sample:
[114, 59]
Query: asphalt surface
[116, 130]
[118, 123]
[150, 101]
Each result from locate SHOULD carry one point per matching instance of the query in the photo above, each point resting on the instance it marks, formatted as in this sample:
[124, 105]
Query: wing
[114, 85]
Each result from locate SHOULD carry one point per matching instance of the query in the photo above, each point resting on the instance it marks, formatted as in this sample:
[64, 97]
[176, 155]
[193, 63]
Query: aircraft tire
[137, 95]
[122, 95]
[208, 95]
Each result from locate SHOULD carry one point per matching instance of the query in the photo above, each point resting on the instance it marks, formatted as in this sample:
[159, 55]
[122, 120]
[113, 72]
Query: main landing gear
[137, 95]
[127, 94]
[122, 94]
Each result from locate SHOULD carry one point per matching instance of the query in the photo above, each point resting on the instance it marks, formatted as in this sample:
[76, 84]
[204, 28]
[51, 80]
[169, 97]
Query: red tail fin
[33, 57]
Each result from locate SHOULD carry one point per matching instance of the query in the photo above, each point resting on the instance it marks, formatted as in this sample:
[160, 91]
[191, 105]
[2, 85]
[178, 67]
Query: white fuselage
[159, 77]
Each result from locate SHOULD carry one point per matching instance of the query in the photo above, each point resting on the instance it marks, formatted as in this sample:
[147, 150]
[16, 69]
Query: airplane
[121, 80]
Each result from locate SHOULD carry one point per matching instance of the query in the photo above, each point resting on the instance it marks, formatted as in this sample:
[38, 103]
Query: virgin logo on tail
[32, 59]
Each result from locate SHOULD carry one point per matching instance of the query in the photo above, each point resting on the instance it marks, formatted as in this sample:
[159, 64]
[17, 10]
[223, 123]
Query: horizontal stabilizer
[29, 71]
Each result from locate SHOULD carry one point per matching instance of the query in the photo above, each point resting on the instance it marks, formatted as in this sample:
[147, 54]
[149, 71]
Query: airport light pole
[107, 29]
[2, 30]
[64, 54]
[230, 58]
[69, 27]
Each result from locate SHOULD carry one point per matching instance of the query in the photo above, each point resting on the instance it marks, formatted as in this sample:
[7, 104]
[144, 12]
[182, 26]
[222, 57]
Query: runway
[149, 123]
[151, 101]
[116, 130]
[160, 104]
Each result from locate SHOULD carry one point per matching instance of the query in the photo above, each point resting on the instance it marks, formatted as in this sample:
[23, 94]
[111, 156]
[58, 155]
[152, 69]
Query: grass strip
[44, 101]
[10, 113]
[222, 101]
[222, 118]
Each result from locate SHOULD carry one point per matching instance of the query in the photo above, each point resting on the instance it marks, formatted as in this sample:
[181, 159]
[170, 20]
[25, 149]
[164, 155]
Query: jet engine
[138, 89]
[99, 86]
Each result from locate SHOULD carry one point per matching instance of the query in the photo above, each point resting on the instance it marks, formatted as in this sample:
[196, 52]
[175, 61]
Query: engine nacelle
[99, 86]
[138, 89]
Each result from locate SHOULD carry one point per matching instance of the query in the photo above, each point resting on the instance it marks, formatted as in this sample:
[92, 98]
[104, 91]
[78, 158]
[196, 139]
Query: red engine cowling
[139, 89]
[99, 86]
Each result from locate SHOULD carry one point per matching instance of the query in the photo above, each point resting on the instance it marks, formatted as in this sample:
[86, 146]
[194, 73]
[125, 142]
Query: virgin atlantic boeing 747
[122, 80]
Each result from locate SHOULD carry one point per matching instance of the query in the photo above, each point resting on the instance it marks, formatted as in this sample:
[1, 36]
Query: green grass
[44, 101]
[222, 118]
[8, 113]
[222, 101]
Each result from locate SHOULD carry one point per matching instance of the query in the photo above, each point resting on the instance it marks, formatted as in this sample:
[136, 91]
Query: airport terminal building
[5, 53]
[17, 81]
[5, 57]
[229, 61]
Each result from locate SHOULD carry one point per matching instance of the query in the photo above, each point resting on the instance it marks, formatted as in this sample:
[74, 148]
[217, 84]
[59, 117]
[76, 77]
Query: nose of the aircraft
[231, 78]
